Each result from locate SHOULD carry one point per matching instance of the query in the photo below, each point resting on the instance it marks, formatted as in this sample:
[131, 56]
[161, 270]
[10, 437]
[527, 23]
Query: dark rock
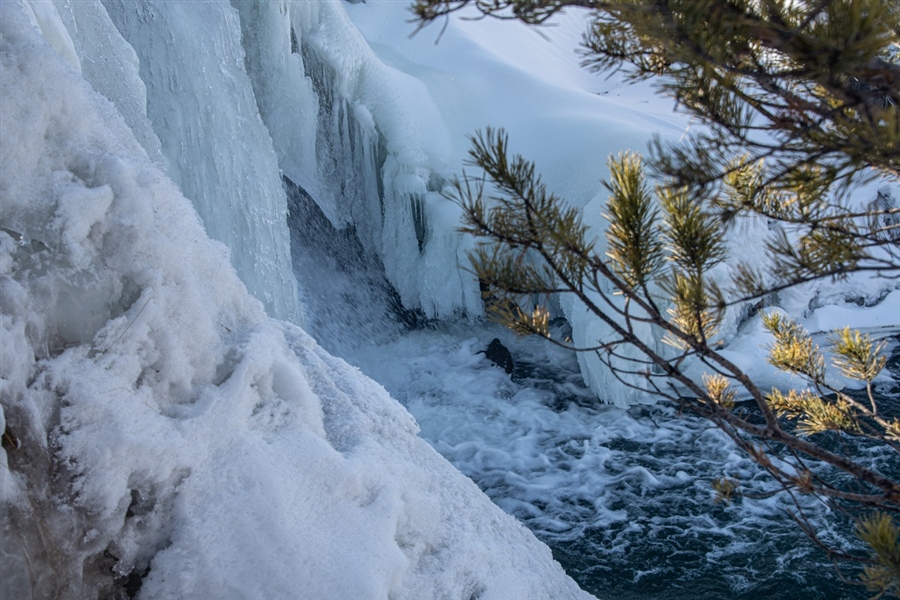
[498, 354]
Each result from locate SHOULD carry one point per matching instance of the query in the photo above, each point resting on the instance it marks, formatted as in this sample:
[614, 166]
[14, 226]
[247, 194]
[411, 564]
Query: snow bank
[172, 438]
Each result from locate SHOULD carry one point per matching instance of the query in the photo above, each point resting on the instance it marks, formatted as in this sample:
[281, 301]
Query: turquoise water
[675, 542]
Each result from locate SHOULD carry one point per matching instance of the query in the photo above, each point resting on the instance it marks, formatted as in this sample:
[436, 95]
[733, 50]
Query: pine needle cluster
[800, 103]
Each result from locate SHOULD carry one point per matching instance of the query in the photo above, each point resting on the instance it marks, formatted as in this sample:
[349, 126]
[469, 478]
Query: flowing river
[623, 497]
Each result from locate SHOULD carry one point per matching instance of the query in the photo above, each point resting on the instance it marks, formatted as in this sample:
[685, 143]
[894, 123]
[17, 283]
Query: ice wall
[110, 64]
[364, 140]
[230, 96]
[239, 94]
[215, 146]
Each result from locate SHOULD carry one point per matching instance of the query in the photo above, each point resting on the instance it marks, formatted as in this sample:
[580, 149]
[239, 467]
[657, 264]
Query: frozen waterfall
[163, 437]
[239, 99]
[203, 203]
[239, 94]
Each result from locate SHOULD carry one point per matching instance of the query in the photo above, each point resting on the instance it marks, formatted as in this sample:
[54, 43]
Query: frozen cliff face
[365, 140]
[239, 94]
[215, 146]
[171, 439]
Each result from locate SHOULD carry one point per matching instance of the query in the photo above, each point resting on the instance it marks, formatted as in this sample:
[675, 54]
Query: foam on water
[623, 497]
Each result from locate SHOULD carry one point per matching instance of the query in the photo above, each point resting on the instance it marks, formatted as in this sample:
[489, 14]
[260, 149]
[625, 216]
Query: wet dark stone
[498, 354]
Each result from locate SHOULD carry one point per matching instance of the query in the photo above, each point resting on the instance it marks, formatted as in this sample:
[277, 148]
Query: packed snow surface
[171, 436]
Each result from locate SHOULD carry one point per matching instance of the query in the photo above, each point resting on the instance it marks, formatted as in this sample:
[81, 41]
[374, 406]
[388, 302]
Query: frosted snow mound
[173, 437]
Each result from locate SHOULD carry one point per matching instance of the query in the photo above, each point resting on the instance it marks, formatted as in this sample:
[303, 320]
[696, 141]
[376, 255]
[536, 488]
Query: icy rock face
[364, 140]
[175, 441]
[216, 147]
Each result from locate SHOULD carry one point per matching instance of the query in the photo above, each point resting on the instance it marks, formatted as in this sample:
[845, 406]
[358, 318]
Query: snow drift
[166, 437]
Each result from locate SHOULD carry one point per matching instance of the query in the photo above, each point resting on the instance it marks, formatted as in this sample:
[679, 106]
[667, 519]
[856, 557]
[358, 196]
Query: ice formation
[168, 422]
[165, 436]
[215, 146]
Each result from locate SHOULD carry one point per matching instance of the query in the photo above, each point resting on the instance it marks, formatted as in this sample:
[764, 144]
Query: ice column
[365, 141]
[216, 147]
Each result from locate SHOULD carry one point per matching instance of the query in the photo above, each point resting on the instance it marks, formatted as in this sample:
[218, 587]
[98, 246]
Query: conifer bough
[800, 103]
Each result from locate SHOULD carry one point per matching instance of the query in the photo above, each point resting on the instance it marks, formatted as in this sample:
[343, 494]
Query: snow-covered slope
[165, 435]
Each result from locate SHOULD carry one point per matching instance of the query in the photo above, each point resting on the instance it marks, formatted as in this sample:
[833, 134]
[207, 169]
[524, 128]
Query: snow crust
[165, 421]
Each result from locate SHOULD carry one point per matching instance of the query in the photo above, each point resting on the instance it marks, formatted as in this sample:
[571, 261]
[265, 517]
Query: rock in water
[498, 354]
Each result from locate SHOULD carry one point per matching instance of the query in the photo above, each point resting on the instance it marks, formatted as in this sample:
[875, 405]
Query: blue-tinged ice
[216, 147]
